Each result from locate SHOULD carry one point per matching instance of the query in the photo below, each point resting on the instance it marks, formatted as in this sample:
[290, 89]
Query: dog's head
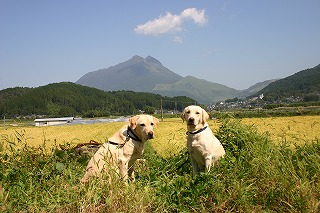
[194, 115]
[143, 126]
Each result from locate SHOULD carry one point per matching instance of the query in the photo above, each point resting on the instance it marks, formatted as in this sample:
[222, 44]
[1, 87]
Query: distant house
[53, 121]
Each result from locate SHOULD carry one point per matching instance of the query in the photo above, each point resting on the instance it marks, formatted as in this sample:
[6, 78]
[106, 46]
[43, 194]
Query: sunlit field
[55, 135]
[170, 133]
[296, 129]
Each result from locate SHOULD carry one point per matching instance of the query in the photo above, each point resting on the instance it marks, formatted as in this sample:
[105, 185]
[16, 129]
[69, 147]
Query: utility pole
[175, 107]
[161, 109]
[260, 97]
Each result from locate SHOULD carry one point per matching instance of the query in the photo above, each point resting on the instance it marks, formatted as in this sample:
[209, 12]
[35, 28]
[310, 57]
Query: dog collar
[196, 132]
[132, 136]
[119, 145]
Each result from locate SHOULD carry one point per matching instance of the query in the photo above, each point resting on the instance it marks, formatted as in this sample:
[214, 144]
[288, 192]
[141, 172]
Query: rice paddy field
[297, 129]
[55, 135]
[170, 133]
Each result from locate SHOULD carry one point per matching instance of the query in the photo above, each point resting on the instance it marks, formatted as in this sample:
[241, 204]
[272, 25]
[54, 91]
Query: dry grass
[51, 135]
[296, 129]
[169, 133]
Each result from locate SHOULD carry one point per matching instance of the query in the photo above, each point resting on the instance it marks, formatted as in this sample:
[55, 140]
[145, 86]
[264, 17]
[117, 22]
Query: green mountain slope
[301, 84]
[254, 89]
[201, 90]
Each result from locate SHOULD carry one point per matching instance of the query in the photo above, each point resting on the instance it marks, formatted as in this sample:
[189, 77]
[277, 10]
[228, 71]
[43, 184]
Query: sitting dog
[204, 148]
[122, 149]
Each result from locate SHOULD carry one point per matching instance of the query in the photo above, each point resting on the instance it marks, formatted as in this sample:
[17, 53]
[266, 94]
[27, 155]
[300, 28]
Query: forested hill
[69, 99]
[304, 84]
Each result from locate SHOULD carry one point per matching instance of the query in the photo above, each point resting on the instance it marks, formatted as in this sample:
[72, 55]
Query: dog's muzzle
[190, 121]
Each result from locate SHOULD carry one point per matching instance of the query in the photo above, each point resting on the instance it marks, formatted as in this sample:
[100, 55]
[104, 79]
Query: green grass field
[257, 174]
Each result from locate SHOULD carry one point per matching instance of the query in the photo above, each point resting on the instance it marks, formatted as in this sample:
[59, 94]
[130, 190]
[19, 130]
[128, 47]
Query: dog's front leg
[131, 172]
[123, 169]
[208, 163]
[194, 164]
[94, 167]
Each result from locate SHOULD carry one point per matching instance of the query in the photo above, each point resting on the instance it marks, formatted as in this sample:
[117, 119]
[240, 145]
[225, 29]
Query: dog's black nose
[191, 119]
[150, 135]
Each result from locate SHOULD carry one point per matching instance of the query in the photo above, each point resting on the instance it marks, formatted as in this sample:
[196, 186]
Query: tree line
[70, 99]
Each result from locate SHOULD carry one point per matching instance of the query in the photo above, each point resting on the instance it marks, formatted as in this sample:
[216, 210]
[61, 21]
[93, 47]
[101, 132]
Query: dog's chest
[133, 149]
[199, 143]
[194, 142]
[197, 150]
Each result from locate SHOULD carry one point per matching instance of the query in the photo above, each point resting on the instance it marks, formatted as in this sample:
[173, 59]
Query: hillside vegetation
[69, 99]
[304, 84]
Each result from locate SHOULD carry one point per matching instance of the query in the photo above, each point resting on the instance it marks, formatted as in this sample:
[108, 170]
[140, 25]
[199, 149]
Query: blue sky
[232, 42]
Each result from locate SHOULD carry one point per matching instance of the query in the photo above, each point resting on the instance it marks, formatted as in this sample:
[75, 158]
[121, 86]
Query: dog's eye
[188, 112]
[142, 125]
[152, 124]
[197, 113]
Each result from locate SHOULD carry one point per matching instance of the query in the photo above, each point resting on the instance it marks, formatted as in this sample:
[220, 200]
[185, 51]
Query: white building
[53, 121]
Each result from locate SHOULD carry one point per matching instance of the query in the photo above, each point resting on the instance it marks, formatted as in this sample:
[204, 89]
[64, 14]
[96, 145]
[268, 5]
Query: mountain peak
[136, 58]
[152, 60]
[144, 75]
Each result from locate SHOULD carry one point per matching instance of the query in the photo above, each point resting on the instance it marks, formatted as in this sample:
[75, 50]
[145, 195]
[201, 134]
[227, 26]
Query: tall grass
[255, 176]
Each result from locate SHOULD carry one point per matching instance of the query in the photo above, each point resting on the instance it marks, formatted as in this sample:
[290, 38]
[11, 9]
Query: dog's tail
[83, 148]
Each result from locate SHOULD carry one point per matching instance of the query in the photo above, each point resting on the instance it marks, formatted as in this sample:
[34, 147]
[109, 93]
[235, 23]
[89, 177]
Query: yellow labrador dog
[122, 149]
[204, 148]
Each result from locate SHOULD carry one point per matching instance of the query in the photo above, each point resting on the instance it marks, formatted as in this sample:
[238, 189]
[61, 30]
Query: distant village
[255, 102]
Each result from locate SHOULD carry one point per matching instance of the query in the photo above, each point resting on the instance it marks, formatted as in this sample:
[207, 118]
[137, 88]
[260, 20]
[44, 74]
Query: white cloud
[198, 16]
[171, 23]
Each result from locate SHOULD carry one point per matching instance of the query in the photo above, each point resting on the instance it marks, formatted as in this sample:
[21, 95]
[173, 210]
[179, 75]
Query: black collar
[120, 145]
[196, 132]
[132, 136]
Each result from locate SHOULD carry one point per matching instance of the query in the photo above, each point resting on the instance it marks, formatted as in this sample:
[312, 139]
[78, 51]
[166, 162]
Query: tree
[149, 110]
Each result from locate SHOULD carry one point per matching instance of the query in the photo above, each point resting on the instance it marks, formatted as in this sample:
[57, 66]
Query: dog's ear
[205, 116]
[183, 115]
[155, 121]
[133, 121]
